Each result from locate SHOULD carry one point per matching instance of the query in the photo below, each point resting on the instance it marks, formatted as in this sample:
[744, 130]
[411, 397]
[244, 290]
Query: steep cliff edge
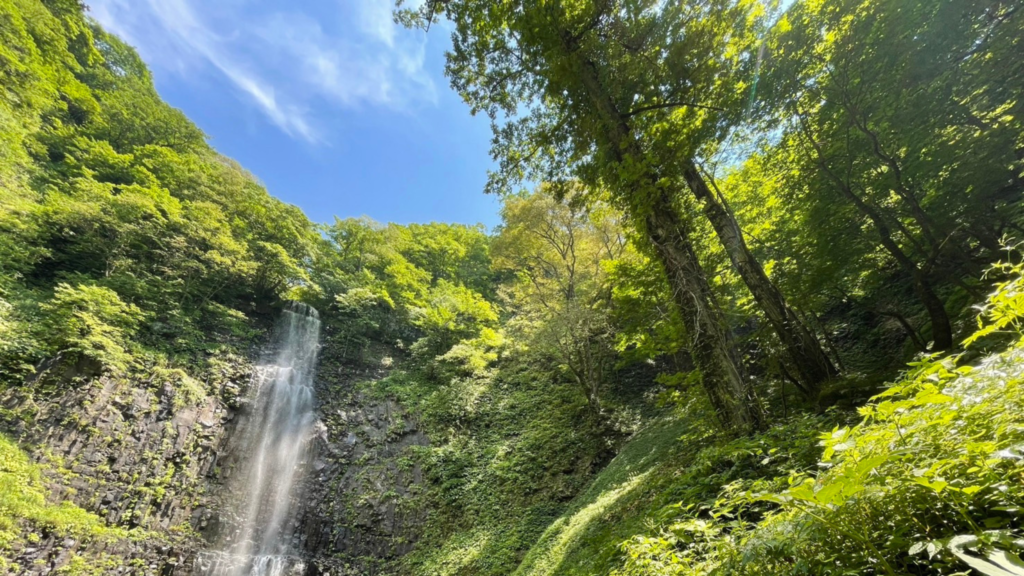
[151, 455]
[140, 453]
[360, 510]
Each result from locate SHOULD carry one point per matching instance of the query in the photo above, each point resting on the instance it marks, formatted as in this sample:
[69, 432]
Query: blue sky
[328, 102]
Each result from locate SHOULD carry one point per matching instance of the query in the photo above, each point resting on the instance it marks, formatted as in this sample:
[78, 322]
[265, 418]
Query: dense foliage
[928, 482]
[871, 149]
[749, 220]
[810, 197]
[122, 230]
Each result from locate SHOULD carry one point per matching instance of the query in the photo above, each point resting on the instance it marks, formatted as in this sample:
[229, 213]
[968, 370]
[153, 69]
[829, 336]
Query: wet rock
[357, 515]
[119, 438]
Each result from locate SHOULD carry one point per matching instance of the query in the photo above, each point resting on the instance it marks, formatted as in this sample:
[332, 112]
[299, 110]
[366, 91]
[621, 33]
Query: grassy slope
[669, 462]
[893, 466]
[581, 541]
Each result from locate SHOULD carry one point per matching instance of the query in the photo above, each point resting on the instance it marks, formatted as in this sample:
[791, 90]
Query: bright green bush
[930, 482]
[450, 314]
[92, 322]
[19, 349]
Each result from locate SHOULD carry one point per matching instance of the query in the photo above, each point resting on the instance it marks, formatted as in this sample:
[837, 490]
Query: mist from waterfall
[274, 449]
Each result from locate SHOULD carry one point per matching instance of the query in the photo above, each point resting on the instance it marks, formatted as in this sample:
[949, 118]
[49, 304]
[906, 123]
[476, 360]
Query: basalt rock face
[354, 508]
[138, 453]
[360, 510]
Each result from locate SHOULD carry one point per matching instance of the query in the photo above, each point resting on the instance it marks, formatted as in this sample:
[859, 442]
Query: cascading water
[274, 449]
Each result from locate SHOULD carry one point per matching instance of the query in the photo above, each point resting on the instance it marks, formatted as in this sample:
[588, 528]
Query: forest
[754, 306]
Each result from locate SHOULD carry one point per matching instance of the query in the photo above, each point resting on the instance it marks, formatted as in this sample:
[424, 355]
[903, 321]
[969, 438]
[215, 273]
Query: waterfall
[274, 447]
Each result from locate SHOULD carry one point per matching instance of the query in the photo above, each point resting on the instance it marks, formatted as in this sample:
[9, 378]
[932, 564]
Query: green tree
[91, 322]
[556, 252]
[103, 184]
[576, 96]
[847, 82]
[449, 314]
[449, 252]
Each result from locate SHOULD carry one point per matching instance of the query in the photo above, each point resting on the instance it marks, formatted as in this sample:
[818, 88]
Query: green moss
[25, 508]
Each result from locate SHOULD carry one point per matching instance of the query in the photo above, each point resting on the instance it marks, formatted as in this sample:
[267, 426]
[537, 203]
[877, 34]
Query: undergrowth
[929, 482]
[924, 479]
[26, 513]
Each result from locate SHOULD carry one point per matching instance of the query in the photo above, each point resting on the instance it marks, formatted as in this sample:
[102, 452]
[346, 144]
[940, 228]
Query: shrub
[929, 482]
[23, 500]
[91, 321]
[19, 350]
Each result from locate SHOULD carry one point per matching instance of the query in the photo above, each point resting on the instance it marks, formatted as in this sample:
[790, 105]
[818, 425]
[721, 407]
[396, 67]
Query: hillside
[761, 315]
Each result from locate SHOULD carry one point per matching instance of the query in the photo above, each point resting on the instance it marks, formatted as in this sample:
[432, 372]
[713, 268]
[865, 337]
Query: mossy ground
[933, 465]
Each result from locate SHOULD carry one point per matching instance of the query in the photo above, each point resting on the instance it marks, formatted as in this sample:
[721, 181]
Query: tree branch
[643, 109]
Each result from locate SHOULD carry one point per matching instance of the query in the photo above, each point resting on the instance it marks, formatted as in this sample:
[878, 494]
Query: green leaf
[995, 563]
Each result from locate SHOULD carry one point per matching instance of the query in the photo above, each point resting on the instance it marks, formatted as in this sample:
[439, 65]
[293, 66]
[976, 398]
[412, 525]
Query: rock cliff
[144, 455]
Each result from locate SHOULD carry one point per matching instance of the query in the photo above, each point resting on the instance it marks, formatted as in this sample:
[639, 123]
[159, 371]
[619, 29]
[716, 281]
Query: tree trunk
[812, 318]
[809, 361]
[928, 228]
[942, 330]
[911, 333]
[731, 397]
[733, 400]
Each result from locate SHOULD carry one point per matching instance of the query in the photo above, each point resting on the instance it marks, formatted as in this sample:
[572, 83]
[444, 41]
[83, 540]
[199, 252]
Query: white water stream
[274, 446]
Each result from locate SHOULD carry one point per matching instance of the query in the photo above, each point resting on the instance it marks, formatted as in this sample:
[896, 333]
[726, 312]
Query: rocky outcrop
[140, 453]
[361, 509]
[143, 454]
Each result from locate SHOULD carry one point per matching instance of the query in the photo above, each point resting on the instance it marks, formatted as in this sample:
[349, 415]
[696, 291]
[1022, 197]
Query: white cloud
[284, 62]
[375, 18]
[350, 73]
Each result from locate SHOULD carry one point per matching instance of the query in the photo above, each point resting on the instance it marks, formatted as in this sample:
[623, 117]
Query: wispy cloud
[285, 62]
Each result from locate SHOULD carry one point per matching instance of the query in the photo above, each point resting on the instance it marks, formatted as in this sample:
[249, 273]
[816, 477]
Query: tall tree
[808, 359]
[850, 79]
[555, 77]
